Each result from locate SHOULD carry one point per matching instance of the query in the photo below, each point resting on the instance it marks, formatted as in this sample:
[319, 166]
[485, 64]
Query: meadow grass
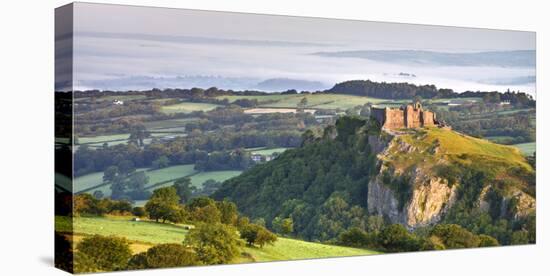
[320, 101]
[452, 145]
[144, 234]
[187, 107]
[169, 173]
[268, 151]
[197, 179]
[88, 181]
[139, 231]
[219, 176]
[103, 138]
[526, 148]
[291, 249]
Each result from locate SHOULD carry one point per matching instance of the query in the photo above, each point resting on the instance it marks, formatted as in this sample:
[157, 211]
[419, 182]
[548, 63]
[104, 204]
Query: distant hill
[282, 84]
[403, 90]
[353, 170]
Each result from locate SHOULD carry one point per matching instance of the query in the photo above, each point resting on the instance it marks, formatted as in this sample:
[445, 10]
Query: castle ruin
[409, 116]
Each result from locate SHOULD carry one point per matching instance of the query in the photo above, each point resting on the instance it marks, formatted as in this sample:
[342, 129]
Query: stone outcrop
[431, 197]
[428, 197]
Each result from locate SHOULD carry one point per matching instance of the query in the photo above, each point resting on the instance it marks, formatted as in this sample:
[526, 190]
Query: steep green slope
[352, 170]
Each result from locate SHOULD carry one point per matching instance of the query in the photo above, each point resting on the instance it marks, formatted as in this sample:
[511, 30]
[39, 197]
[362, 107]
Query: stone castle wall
[428, 118]
[394, 119]
[405, 117]
[412, 117]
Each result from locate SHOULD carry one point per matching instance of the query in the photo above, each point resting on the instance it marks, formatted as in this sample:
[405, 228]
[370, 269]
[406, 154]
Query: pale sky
[129, 47]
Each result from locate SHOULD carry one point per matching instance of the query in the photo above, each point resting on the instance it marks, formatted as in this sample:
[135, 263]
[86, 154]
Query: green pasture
[139, 231]
[187, 107]
[144, 234]
[264, 151]
[291, 249]
[526, 148]
[197, 179]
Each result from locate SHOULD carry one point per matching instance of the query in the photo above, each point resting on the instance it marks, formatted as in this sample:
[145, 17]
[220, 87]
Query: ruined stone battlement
[409, 116]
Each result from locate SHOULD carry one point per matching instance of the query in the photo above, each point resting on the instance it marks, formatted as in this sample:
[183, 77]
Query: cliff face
[407, 189]
[414, 177]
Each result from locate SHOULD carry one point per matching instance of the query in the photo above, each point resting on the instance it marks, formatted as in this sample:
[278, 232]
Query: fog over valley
[185, 48]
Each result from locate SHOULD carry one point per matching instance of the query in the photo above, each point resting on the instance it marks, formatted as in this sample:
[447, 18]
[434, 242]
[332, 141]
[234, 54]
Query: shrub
[167, 255]
[487, 241]
[520, 237]
[138, 211]
[108, 253]
[355, 237]
[84, 263]
[395, 238]
[138, 261]
[454, 236]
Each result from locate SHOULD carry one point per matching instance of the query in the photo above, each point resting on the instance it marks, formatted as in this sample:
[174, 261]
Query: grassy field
[187, 107]
[169, 173]
[198, 179]
[138, 231]
[85, 182]
[330, 101]
[145, 234]
[103, 138]
[526, 148]
[219, 176]
[321, 101]
[264, 151]
[291, 249]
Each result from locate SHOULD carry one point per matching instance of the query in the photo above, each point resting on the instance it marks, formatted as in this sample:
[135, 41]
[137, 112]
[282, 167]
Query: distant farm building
[409, 116]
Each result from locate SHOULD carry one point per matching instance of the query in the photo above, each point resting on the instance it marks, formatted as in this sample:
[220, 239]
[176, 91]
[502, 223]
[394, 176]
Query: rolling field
[198, 179]
[325, 101]
[319, 101]
[145, 234]
[88, 181]
[103, 138]
[187, 107]
[526, 148]
[139, 231]
[261, 99]
[219, 176]
[169, 173]
[291, 249]
[263, 151]
[330, 101]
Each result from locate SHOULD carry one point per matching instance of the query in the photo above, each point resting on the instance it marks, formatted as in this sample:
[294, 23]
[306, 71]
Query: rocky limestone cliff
[426, 197]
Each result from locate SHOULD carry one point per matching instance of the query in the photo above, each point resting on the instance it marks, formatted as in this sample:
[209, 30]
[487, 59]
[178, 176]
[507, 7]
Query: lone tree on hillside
[256, 234]
[163, 205]
[214, 243]
[183, 189]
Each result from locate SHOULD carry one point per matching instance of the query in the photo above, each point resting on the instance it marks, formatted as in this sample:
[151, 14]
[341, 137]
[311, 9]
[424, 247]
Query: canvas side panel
[63, 137]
